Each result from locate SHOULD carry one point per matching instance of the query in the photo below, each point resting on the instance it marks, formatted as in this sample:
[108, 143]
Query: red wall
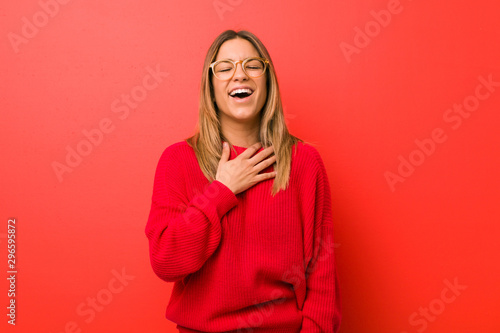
[392, 92]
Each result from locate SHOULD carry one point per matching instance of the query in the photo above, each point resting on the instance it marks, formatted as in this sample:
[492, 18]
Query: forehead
[237, 49]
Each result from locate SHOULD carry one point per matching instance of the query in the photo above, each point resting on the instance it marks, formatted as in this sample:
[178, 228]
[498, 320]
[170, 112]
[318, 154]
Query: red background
[397, 245]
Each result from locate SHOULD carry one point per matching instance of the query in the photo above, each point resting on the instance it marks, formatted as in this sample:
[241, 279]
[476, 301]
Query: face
[239, 108]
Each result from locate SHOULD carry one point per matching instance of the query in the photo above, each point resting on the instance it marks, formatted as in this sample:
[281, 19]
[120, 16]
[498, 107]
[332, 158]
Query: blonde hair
[208, 137]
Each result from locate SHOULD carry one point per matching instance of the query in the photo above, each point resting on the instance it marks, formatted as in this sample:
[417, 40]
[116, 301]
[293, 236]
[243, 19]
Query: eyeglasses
[253, 67]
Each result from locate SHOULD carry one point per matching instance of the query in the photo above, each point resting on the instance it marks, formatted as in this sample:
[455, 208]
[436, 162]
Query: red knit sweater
[247, 262]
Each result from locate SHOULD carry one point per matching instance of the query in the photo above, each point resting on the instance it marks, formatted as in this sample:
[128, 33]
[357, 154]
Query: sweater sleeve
[322, 308]
[183, 233]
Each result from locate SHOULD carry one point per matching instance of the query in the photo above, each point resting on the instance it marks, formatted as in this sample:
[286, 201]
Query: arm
[183, 233]
[322, 308]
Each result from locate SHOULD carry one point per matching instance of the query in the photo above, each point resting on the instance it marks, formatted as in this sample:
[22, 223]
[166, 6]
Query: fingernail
[225, 144]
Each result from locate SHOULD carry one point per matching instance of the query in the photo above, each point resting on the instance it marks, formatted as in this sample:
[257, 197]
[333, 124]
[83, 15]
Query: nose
[239, 73]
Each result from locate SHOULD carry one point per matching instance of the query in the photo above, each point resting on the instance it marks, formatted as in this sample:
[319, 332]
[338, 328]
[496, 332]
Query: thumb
[225, 152]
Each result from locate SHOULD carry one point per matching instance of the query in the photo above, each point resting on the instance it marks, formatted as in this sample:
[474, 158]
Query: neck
[240, 134]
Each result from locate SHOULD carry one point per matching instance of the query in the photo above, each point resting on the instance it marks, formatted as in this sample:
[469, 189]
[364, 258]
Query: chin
[243, 112]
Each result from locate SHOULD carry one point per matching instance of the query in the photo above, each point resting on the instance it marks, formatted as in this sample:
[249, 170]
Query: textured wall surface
[401, 98]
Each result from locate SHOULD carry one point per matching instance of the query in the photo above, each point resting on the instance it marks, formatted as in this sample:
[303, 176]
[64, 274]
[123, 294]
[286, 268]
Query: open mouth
[241, 93]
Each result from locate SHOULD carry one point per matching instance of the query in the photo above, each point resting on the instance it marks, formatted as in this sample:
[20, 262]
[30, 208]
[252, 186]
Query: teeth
[240, 91]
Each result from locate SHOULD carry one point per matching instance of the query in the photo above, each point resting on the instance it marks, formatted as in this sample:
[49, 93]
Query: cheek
[263, 91]
[218, 89]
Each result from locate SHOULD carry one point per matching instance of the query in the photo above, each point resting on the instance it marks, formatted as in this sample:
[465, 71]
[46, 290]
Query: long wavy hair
[208, 137]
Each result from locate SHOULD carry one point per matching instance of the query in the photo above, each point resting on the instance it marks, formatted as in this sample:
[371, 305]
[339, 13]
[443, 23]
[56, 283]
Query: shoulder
[171, 165]
[308, 168]
[308, 155]
[173, 157]
[176, 150]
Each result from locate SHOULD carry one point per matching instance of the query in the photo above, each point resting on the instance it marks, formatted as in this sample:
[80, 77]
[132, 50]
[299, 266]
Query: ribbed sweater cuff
[222, 197]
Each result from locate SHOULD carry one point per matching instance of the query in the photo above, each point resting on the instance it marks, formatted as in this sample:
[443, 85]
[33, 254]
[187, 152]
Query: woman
[244, 229]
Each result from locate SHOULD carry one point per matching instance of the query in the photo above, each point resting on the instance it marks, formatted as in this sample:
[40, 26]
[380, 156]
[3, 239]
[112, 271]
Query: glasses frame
[235, 64]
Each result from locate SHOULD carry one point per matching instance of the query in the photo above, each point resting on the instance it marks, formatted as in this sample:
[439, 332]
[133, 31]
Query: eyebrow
[235, 60]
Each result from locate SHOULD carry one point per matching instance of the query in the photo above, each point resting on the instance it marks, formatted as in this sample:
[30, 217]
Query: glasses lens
[255, 67]
[224, 70]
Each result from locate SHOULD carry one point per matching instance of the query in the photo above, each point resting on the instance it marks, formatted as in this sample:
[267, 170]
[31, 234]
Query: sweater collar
[239, 150]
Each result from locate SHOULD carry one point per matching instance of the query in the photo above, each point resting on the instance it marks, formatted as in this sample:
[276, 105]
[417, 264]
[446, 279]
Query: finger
[264, 176]
[250, 150]
[261, 155]
[264, 164]
[225, 152]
